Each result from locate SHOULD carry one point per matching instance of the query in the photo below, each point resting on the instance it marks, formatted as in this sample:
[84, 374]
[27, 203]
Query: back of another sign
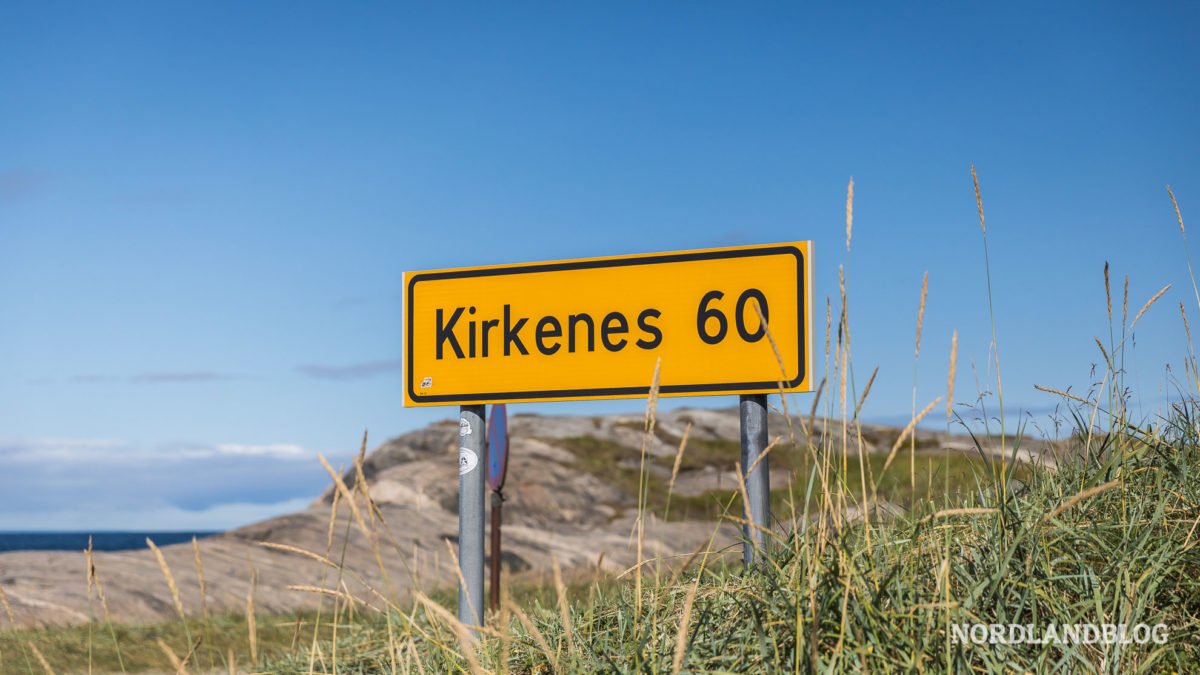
[497, 464]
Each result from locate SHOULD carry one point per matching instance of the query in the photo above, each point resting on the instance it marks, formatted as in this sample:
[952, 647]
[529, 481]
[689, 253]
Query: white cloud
[161, 517]
[280, 450]
[80, 450]
[71, 483]
[43, 450]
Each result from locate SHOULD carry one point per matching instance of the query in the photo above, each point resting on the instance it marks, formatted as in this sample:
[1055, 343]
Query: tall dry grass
[1110, 535]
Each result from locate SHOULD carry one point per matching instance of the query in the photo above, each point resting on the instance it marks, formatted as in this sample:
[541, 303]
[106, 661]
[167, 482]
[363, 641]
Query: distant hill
[571, 494]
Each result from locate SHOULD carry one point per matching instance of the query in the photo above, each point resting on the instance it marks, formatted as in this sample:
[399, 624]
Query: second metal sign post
[472, 455]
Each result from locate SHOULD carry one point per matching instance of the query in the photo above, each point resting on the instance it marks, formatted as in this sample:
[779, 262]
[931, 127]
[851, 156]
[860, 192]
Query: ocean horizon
[111, 540]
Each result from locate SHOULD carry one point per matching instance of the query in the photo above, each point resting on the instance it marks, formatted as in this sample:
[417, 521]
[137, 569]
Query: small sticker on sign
[427, 383]
[464, 428]
[467, 461]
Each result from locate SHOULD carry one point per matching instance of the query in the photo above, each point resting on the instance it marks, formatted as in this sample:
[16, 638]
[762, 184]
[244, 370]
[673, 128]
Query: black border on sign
[654, 258]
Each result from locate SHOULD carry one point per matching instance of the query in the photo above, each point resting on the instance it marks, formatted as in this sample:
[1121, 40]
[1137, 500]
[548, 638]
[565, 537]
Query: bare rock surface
[568, 497]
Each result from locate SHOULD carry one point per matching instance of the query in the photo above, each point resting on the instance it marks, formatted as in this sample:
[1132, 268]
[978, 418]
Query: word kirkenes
[578, 332]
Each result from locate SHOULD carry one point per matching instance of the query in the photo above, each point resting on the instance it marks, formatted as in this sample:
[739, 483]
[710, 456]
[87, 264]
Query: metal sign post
[753, 414]
[497, 469]
[472, 454]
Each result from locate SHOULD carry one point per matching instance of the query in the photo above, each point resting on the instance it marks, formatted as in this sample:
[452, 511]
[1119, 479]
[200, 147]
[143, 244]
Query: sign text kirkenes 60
[593, 328]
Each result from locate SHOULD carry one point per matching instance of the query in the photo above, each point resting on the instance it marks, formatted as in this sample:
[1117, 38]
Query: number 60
[705, 314]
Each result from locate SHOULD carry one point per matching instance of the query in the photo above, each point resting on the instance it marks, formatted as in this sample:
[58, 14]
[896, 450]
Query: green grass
[1129, 553]
[72, 649]
[940, 476]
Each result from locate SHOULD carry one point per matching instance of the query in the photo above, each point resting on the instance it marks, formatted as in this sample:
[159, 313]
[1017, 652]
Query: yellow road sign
[593, 328]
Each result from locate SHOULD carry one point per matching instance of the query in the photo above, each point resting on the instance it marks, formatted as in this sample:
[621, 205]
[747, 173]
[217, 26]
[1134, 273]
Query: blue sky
[205, 208]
